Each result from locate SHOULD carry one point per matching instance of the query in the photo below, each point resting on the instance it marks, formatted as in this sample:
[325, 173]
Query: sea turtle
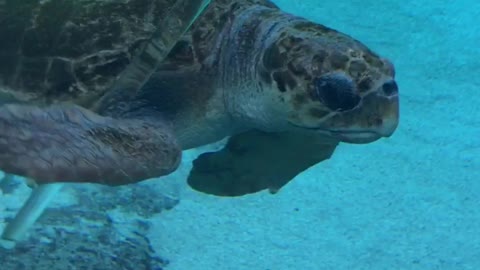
[286, 91]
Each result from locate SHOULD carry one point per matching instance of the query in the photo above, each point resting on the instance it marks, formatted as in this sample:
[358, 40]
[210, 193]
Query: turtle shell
[72, 50]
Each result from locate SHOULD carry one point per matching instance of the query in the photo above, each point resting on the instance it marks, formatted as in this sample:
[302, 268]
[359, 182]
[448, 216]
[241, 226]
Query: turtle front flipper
[66, 143]
[254, 161]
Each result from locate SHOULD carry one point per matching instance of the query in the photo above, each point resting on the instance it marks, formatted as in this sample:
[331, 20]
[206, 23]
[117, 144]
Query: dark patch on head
[297, 70]
[291, 82]
[286, 78]
[338, 60]
[353, 53]
[364, 85]
[357, 68]
[319, 60]
[281, 83]
[320, 57]
[317, 113]
[272, 58]
[289, 42]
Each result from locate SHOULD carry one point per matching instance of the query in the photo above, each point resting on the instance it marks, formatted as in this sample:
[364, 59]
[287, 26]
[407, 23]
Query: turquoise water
[407, 202]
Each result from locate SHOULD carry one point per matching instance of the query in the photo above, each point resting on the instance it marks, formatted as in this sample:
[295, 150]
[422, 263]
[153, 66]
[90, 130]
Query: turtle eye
[336, 91]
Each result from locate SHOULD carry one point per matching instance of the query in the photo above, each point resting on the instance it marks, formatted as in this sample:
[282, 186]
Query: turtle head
[332, 84]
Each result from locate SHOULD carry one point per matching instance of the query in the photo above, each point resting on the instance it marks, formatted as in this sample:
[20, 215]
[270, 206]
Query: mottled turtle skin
[286, 90]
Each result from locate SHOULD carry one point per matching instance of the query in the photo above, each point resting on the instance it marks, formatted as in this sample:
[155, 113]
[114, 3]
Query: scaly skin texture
[73, 144]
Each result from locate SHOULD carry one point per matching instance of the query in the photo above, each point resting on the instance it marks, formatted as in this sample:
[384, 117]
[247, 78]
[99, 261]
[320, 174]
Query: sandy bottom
[408, 202]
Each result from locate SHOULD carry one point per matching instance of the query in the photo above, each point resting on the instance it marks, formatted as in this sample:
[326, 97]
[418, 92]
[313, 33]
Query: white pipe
[31, 210]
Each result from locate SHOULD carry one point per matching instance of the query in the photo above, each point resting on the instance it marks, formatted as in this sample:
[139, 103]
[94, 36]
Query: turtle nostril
[390, 88]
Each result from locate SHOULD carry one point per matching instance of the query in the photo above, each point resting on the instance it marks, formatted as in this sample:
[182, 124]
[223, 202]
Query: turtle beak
[376, 117]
